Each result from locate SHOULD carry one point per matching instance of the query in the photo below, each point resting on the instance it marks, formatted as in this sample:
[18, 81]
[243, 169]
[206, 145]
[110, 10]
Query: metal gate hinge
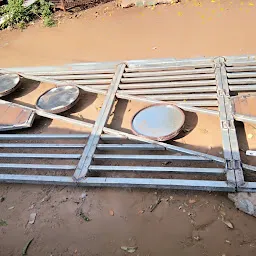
[225, 124]
[233, 164]
[222, 92]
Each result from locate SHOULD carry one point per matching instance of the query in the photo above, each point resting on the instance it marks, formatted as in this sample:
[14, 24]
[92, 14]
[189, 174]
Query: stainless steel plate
[158, 122]
[8, 84]
[58, 99]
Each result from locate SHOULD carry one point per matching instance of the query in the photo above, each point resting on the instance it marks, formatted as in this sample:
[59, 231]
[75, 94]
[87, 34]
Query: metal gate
[191, 84]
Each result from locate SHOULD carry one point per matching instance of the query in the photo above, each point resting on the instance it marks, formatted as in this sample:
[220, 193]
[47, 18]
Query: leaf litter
[129, 249]
[25, 248]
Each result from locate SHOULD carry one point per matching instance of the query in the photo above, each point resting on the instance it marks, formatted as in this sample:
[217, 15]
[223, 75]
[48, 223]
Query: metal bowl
[158, 122]
[59, 99]
[8, 83]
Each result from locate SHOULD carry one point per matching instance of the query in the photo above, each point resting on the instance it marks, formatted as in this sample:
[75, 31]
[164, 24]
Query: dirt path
[184, 223]
[106, 33]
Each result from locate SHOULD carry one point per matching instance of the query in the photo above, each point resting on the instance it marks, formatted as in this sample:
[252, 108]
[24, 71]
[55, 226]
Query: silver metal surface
[149, 157]
[126, 135]
[246, 119]
[58, 99]
[8, 83]
[156, 85]
[188, 83]
[251, 152]
[168, 73]
[31, 155]
[118, 95]
[86, 158]
[173, 90]
[240, 88]
[167, 78]
[191, 170]
[37, 166]
[54, 136]
[121, 182]
[192, 96]
[158, 122]
[80, 76]
[68, 146]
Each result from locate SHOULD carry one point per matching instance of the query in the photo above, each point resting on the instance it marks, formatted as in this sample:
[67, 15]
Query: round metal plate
[58, 99]
[158, 122]
[8, 83]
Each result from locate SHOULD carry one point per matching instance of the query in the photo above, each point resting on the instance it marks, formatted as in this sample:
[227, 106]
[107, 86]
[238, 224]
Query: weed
[15, 14]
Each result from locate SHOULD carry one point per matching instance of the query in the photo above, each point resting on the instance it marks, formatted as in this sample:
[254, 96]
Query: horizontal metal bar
[185, 105]
[244, 57]
[173, 90]
[237, 88]
[245, 81]
[71, 72]
[171, 62]
[241, 75]
[103, 87]
[54, 136]
[157, 169]
[37, 166]
[184, 96]
[245, 119]
[120, 182]
[129, 146]
[167, 84]
[240, 63]
[42, 136]
[82, 82]
[168, 78]
[154, 72]
[81, 77]
[99, 146]
[84, 66]
[241, 69]
[202, 103]
[249, 167]
[149, 157]
[247, 187]
[169, 67]
[51, 156]
[251, 152]
[40, 145]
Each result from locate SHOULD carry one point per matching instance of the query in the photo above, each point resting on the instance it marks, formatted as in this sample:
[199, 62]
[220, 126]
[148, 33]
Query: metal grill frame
[123, 77]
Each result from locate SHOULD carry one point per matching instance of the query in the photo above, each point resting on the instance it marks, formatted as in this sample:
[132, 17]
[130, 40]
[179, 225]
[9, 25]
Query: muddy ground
[185, 222]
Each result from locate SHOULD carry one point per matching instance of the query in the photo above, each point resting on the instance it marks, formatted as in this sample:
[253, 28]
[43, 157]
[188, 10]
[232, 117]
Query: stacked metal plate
[8, 84]
[158, 122]
[58, 99]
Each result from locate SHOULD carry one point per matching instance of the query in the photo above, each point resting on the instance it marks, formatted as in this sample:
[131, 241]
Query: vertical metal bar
[229, 138]
[86, 158]
[223, 122]
[236, 159]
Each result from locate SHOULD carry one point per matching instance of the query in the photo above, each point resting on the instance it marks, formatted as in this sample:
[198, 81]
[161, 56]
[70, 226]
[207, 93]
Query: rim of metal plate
[9, 89]
[160, 138]
[62, 108]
